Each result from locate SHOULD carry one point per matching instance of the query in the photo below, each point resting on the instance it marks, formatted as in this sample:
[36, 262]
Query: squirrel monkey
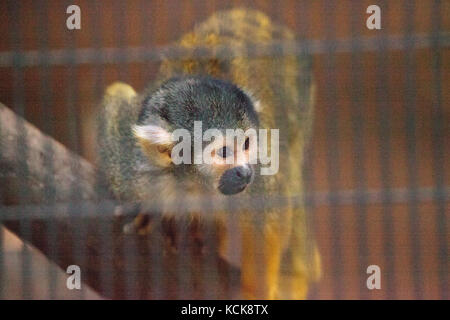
[235, 91]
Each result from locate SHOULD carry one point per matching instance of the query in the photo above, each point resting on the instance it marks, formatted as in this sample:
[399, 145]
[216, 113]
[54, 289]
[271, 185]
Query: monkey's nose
[235, 180]
[245, 173]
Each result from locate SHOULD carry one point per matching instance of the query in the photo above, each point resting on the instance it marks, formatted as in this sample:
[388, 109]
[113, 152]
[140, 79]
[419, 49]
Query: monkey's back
[280, 82]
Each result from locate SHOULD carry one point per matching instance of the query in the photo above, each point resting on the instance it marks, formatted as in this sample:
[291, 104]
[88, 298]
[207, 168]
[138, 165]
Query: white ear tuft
[257, 106]
[255, 101]
[153, 134]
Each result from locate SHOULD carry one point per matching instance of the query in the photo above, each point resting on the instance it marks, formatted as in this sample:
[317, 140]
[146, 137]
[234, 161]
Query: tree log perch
[36, 171]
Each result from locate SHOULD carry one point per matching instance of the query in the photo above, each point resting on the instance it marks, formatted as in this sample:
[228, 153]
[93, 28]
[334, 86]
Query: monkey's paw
[141, 225]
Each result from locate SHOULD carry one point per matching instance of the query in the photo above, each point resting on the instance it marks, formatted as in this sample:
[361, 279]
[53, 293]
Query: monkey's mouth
[235, 180]
[228, 189]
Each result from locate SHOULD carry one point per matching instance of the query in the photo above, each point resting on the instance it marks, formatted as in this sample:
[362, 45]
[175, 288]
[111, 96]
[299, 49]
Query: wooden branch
[36, 170]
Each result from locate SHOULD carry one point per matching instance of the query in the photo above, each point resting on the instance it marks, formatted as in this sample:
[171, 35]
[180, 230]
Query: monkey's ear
[256, 103]
[156, 142]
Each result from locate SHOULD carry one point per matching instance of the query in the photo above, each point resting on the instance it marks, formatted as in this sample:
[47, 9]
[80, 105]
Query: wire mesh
[376, 179]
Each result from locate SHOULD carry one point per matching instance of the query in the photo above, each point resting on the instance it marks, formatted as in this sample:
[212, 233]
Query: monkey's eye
[224, 152]
[247, 143]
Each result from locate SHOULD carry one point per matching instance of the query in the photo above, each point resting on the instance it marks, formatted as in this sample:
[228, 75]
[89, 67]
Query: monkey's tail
[120, 110]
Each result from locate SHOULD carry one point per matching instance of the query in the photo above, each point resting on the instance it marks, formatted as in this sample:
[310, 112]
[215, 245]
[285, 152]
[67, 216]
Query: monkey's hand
[141, 225]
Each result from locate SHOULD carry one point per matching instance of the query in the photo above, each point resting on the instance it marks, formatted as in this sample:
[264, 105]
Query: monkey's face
[230, 167]
[201, 129]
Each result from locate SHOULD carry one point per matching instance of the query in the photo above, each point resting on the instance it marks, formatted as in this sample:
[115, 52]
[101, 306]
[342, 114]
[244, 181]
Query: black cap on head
[181, 101]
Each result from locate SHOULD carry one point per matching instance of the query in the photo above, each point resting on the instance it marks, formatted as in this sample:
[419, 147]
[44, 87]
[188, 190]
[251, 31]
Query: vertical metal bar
[147, 37]
[211, 285]
[218, 283]
[181, 226]
[333, 170]
[146, 292]
[159, 271]
[302, 23]
[184, 263]
[156, 247]
[148, 34]
[73, 122]
[119, 12]
[155, 255]
[2, 261]
[105, 228]
[358, 109]
[298, 223]
[438, 145]
[130, 243]
[2, 244]
[47, 120]
[22, 152]
[412, 166]
[384, 115]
